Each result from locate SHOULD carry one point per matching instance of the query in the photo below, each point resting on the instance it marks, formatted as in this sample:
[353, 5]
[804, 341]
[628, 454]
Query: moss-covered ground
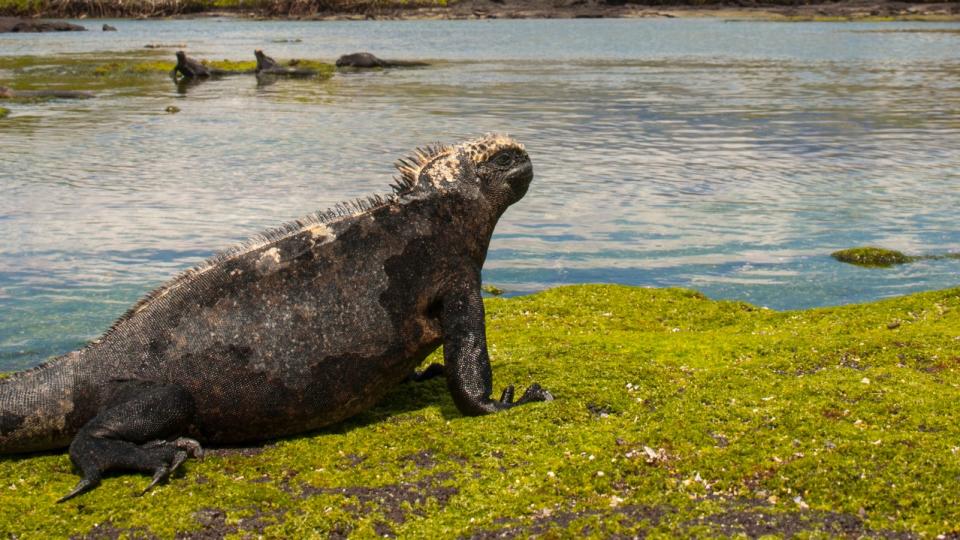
[675, 416]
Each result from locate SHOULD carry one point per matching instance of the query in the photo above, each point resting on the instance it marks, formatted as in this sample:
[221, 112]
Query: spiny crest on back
[410, 169]
[446, 157]
[259, 241]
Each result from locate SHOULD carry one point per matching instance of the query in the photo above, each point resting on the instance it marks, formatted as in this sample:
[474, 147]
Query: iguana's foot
[432, 371]
[183, 448]
[534, 392]
[143, 411]
[190, 446]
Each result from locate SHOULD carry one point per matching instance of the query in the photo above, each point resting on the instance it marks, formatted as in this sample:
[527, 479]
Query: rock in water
[13, 24]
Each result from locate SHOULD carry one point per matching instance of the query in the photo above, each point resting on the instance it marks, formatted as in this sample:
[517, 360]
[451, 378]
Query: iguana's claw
[83, 486]
[159, 475]
[507, 396]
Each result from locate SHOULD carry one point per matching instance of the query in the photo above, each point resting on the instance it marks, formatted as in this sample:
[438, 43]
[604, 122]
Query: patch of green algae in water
[872, 256]
[675, 416]
[133, 71]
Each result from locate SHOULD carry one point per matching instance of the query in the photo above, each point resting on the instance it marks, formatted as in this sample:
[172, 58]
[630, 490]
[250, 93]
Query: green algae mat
[128, 71]
[676, 416]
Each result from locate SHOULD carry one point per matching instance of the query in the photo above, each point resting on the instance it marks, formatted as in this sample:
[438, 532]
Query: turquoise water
[728, 157]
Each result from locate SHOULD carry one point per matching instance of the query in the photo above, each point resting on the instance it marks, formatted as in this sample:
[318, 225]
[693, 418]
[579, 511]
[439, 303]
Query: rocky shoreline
[879, 10]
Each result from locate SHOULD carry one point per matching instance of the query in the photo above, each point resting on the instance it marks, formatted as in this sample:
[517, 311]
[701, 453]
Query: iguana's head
[496, 164]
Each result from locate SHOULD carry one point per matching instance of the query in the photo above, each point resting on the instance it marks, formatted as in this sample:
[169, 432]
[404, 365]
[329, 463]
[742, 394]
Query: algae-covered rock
[323, 69]
[4, 112]
[232, 66]
[675, 416]
[493, 289]
[871, 256]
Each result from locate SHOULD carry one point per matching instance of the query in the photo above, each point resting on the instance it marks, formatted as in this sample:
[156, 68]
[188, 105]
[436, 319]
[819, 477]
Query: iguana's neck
[486, 221]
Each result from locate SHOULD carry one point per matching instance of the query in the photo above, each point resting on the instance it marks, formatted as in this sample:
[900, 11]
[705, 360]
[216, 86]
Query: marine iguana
[298, 328]
[188, 68]
[269, 66]
[367, 60]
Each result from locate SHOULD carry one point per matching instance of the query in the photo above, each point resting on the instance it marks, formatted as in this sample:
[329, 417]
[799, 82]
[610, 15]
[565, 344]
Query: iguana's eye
[503, 160]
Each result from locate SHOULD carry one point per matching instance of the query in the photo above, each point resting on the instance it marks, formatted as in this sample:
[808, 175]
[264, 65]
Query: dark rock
[10, 93]
[108, 28]
[13, 24]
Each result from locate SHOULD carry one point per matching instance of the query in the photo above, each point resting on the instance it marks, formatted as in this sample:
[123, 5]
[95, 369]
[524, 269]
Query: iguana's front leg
[466, 363]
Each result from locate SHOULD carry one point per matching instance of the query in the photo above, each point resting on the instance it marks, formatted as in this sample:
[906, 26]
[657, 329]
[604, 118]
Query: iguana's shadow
[406, 397]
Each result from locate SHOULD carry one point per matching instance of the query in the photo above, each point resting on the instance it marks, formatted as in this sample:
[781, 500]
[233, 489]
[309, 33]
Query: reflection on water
[727, 157]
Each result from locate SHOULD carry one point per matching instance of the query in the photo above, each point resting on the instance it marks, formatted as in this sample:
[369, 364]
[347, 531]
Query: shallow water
[728, 157]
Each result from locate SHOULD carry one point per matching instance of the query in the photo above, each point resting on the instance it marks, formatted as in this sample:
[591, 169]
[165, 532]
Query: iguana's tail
[37, 407]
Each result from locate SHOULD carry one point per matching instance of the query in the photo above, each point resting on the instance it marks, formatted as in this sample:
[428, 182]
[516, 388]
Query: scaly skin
[299, 328]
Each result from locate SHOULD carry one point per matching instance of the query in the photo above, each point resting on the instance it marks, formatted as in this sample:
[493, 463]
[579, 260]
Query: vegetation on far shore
[675, 416]
[165, 8]
[787, 10]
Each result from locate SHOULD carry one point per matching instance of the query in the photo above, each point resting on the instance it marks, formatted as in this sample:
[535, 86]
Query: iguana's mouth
[522, 173]
[519, 178]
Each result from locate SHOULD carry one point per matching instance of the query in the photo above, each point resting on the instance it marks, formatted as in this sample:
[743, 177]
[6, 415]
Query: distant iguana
[367, 60]
[269, 66]
[298, 328]
[187, 69]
